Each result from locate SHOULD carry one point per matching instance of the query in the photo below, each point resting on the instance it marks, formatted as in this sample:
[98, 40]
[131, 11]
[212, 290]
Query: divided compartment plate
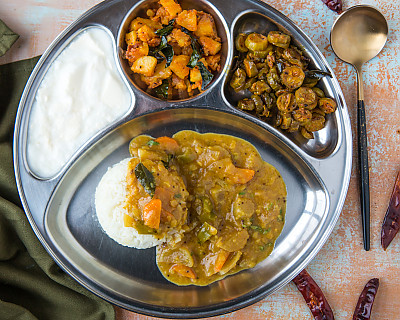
[61, 209]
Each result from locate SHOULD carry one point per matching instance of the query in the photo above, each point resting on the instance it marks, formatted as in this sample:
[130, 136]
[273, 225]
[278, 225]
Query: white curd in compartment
[80, 94]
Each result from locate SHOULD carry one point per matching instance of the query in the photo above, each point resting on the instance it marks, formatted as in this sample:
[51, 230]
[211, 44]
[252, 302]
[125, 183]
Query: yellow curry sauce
[235, 203]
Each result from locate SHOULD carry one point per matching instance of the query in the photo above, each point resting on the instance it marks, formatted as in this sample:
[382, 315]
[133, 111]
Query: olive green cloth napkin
[32, 286]
[7, 38]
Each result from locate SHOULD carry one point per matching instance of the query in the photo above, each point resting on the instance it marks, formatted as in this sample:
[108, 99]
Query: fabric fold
[32, 285]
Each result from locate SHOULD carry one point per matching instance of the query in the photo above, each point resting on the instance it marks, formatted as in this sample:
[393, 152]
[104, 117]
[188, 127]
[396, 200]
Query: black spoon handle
[364, 174]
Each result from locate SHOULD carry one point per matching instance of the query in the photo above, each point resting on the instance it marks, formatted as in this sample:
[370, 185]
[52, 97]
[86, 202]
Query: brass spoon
[357, 36]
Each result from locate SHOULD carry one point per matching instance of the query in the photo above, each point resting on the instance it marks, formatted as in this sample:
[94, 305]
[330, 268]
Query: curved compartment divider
[130, 275]
[325, 141]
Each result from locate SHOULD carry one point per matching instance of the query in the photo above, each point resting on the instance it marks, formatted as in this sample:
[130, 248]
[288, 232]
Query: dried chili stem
[313, 296]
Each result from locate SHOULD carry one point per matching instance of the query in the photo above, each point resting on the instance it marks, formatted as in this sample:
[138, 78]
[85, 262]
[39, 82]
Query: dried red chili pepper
[334, 5]
[314, 297]
[391, 223]
[366, 300]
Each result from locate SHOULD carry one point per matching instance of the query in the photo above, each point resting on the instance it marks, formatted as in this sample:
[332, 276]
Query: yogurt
[80, 94]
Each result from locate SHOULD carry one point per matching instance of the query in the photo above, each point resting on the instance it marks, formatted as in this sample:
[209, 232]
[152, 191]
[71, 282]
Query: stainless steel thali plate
[61, 209]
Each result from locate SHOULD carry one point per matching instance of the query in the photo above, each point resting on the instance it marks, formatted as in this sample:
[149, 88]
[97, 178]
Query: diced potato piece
[214, 62]
[136, 51]
[206, 26]
[210, 46]
[180, 37]
[137, 23]
[195, 75]
[178, 83]
[160, 73]
[243, 208]
[162, 16]
[172, 7]
[181, 255]
[128, 220]
[233, 240]
[145, 33]
[144, 65]
[188, 19]
[131, 38]
[179, 66]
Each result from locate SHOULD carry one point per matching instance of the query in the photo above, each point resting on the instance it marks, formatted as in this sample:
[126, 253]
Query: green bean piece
[316, 123]
[206, 232]
[260, 87]
[292, 77]
[259, 105]
[318, 92]
[306, 98]
[256, 42]
[286, 102]
[240, 42]
[279, 39]
[250, 68]
[327, 105]
[302, 115]
[306, 134]
[246, 104]
[238, 79]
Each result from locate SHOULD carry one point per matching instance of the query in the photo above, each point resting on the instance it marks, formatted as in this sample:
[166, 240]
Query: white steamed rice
[110, 201]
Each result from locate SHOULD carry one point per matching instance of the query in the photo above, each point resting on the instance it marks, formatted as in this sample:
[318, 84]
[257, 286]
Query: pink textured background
[342, 267]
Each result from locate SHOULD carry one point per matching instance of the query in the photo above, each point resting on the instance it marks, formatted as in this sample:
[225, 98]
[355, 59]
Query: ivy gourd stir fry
[174, 51]
[283, 91]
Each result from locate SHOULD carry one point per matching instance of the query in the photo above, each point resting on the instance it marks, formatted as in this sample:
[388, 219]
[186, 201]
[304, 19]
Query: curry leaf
[317, 74]
[166, 30]
[206, 75]
[146, 179]
[196, 55]
[162, 90]
[168, 52]
[167, 162]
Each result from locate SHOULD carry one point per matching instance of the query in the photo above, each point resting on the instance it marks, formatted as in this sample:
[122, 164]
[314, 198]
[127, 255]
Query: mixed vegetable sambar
[235, 204]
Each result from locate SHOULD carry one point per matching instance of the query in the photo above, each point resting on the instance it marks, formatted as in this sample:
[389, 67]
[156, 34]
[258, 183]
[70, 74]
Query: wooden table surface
[342, 267]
